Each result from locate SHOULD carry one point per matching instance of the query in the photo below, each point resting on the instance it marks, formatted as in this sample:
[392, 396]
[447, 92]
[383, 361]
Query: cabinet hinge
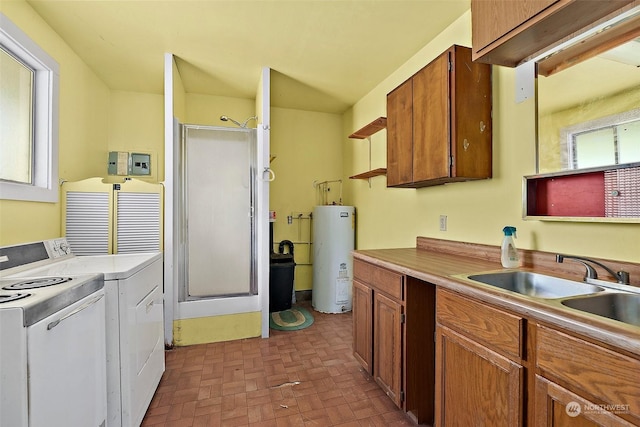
[449, 66]
[402, 396]
[403, 318]
[450, 161]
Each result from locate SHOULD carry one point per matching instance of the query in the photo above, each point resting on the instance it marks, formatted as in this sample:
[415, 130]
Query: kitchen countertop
[440, 267]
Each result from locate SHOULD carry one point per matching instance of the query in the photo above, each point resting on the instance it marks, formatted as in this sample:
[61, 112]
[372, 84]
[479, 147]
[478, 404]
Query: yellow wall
[308, 148]
[207, 109]
[216, 328]
[136, 125]
[477, 211]
[83, 123]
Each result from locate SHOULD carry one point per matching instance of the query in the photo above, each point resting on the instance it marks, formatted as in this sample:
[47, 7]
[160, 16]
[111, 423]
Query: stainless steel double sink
[605, 301]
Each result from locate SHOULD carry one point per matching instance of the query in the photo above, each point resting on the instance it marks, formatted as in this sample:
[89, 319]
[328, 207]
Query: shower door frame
[183, 217]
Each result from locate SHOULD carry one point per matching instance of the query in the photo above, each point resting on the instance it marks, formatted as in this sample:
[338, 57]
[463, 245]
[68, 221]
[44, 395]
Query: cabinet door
[431, 149]
[399, 135]
[471, 124]
[506, 32]
[474, 385]
[608, 376]
[487, 28]
[362, 328]
[558, 407]
[387, 341]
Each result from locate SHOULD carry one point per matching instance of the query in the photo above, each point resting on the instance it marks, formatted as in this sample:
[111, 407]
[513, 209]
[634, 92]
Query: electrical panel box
[118, 163]
[140, 164]
[123, 163]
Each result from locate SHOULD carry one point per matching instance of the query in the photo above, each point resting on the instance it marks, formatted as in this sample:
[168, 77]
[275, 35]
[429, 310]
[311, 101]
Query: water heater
[333, 241]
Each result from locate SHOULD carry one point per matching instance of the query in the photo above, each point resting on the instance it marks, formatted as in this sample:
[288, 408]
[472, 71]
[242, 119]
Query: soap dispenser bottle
[509, 254]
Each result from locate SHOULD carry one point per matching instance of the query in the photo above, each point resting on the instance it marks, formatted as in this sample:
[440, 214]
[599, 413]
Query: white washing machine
[133, 285]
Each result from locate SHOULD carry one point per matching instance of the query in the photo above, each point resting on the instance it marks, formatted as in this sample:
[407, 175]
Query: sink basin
[617, 306]
[535, 284]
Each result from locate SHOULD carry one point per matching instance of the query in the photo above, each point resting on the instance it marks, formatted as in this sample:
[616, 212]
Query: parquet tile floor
[296, 378]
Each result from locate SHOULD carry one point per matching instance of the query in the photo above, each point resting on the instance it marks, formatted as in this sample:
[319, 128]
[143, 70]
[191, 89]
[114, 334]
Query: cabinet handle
[55, 323]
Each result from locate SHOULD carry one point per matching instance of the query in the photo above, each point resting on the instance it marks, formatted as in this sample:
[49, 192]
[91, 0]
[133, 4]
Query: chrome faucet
[621, 276]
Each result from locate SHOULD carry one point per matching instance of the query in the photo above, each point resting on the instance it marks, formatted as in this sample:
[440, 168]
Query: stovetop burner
[36, 283]
[12, 297]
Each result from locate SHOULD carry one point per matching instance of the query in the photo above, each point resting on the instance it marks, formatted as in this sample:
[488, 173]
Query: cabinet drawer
[381, 279]
[607, 376]
[501, 331]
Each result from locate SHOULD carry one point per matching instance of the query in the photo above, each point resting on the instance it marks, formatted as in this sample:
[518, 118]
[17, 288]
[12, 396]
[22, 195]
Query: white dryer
[133, 285]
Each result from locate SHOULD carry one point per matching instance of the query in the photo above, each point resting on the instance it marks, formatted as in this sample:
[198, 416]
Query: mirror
[588, 122]
[589, 114]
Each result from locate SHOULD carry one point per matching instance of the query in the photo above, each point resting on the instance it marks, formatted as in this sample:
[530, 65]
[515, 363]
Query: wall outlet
[443, 223]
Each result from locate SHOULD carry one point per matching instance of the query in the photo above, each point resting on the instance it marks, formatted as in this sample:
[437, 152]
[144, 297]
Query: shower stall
[217, 196]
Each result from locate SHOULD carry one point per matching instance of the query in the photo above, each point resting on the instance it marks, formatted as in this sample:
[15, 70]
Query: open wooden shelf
[364, 133]
[368, 130]
[370, 174]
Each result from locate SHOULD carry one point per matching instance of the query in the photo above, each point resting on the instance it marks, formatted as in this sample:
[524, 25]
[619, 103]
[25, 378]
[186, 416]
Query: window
[28, 118]
[611, 140]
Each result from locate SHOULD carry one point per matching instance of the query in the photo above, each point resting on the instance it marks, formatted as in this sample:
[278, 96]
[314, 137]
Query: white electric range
[52, 345]
[133, 285]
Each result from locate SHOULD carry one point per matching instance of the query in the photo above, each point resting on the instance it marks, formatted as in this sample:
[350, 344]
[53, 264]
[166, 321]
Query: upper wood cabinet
[439, 123]
[507, 32]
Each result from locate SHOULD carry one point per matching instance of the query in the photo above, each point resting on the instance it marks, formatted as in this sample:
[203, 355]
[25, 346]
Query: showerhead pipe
[229, 119]
[242, 125]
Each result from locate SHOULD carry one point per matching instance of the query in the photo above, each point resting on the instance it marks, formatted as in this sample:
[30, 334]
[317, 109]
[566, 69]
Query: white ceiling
[325, 54]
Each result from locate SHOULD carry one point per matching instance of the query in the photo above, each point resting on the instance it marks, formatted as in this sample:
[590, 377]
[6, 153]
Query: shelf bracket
[369, 141]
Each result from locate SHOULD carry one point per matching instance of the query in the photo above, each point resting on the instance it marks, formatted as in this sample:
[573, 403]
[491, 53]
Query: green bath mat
[290, 320]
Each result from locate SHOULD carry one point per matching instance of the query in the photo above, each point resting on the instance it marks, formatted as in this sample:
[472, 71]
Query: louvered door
[138, 221]
[87, 207]
[104, 218]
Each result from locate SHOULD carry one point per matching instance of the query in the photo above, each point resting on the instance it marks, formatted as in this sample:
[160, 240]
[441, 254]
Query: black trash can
[281, 272]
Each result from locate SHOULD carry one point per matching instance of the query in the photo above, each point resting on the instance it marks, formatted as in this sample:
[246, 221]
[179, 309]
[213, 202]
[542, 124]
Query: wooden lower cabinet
[601, 385]
[448, 359]
[475, 385]
[393, 330]
[378, 330]
[362, 327]
[387, 336]
[480, 377]
[558, 407]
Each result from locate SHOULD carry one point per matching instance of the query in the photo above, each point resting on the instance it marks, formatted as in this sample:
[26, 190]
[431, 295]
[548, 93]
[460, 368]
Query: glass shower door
[219, 172]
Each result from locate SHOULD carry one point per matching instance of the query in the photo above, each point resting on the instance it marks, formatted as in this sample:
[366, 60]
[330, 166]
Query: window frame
[567, 135]
[45, 186]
